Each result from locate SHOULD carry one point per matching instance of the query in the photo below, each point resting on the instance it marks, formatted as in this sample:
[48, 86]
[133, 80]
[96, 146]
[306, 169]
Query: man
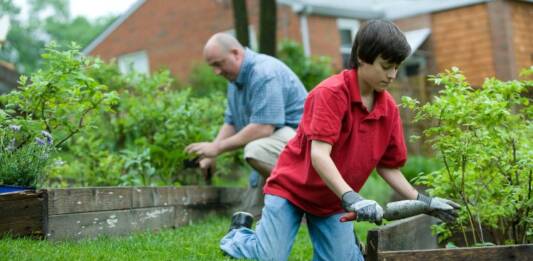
[265, 104]
[350, 126]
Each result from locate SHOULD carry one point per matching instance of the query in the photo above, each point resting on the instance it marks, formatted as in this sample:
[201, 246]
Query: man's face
[378, 75]
[227, 64]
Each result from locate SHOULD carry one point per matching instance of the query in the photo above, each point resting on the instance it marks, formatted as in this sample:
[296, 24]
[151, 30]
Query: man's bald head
[225, 54]
[223, 41]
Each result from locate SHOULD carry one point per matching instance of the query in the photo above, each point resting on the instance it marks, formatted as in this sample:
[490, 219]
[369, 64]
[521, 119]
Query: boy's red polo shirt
[334, 113]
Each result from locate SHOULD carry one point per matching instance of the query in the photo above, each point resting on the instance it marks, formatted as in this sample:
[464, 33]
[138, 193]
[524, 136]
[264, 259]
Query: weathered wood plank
[78, 200]
[22, 226]
[201, 195]
[158, 196]
[115, 222]
[500, 253]
[23, 213]
[19, 195]
[405, 234]
[31, 206]
[231, 196]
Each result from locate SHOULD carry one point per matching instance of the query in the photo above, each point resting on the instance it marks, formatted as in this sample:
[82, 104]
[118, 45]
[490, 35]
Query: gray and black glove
[444, 209]
[367, 210]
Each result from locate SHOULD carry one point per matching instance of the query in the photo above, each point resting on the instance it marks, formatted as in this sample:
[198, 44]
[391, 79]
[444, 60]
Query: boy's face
[378, 75]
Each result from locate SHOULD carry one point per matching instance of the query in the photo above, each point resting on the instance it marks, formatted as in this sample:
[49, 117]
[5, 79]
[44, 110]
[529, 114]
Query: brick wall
[522, 37]
[325, 39]
[173, 32]
[171, 41]
[462, 38]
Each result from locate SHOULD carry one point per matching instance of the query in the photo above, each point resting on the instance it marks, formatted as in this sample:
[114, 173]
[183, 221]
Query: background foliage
[310, 70]
[483, 137]
[56, 103]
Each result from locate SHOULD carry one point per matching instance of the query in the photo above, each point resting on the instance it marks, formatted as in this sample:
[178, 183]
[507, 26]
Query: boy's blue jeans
[276, 231]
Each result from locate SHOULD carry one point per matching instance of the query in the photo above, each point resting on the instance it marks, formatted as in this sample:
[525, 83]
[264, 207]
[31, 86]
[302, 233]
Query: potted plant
[22, 158]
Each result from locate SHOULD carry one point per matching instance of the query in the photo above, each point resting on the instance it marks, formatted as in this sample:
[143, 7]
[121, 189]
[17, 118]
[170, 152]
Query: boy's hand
[444, 209]
[366, 210]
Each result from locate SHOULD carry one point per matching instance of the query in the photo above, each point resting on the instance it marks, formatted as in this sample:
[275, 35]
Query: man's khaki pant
[266, 150]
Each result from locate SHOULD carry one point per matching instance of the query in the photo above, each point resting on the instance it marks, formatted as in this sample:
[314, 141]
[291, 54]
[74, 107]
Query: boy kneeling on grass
[350, 126]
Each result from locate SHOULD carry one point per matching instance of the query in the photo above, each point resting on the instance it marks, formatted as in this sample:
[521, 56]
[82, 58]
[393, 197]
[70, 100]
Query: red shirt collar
[380, 106]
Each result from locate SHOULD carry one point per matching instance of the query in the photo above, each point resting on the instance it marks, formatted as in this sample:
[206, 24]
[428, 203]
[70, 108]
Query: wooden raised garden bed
[24, 213]
[411, 239]
[90, 212]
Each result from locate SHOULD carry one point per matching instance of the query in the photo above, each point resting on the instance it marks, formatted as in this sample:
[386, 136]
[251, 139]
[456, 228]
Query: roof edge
[102, 36]
[445, 5]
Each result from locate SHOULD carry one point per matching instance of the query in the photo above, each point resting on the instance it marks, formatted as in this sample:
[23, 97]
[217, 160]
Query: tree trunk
[240, 17]
[267, 27]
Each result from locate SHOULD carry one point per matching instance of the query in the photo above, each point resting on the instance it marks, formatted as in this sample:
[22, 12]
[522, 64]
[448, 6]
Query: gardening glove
[366, 210]
[444, 209]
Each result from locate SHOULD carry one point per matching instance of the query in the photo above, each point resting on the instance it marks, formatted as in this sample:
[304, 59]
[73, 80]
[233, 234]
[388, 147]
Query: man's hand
[207, 163]
[204, 149]
[444, 209]
[366, 210]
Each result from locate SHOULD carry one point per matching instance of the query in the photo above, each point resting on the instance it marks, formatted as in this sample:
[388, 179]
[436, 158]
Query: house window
[137, 62]
[251, 37]
[347, 30]
[414, 65]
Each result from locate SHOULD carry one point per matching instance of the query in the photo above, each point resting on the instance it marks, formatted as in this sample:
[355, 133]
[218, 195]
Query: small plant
[22, 161]
[483, 138]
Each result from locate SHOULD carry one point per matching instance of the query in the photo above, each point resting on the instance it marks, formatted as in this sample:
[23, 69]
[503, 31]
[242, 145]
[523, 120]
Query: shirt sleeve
[396, 153]
[267, 102]
[228, 116]
[324, 117]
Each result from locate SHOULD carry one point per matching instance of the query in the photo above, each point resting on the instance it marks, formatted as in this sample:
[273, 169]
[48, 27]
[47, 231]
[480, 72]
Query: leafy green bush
[141, 141]
[59, 99]
[205, 82]
[483, 137]
[419, 166]
[310, 70]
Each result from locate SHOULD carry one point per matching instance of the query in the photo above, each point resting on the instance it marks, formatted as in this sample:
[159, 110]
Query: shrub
[58, 99]
[205, 82]
[310, 70]
[483, 138]
[417, 166]
[141, 141]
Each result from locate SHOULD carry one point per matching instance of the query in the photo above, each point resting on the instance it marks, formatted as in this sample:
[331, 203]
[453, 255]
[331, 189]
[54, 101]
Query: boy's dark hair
[379, 37]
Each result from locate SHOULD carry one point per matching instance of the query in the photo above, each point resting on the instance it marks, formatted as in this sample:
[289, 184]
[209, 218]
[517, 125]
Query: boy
[350, 126]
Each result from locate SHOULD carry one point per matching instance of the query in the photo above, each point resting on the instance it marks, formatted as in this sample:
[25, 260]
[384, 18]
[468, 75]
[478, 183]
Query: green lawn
[195, 242]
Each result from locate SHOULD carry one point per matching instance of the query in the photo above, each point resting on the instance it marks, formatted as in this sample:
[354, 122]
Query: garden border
[410, 239]
[77, 213]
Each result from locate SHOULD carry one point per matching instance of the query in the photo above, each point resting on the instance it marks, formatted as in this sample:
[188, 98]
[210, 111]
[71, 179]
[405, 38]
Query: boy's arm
[352, 202]
[441, 208]
[326, 169]
[397, 181]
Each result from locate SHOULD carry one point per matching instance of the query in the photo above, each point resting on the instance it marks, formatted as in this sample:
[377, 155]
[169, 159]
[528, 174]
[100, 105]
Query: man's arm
[227, 139]
[227, 130]
[397, 181]
[249, 133]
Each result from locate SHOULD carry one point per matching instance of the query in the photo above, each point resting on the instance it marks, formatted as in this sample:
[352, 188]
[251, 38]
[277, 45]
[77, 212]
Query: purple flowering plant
[23, 159]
